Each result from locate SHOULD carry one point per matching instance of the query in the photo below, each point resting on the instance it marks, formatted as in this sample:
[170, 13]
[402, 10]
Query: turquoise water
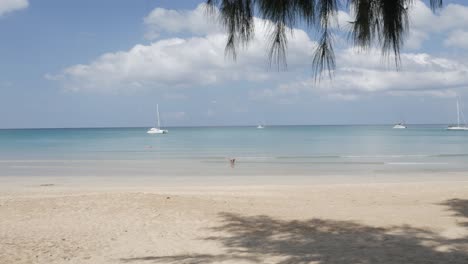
[304, 149]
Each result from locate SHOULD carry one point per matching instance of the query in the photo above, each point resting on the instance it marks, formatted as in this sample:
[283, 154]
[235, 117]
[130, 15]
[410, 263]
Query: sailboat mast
[458, 113]
[157, 112]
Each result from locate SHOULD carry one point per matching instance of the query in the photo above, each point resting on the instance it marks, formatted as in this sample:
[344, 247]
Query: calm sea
[302, 150]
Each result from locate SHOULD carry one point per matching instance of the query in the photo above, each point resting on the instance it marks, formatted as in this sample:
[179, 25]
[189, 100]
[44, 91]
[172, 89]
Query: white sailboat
[261, 125]
[399, 126]
[157, 130]
[459, 126]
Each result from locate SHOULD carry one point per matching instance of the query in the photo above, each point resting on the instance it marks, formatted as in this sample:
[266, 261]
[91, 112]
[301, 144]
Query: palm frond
[366, 22]
[278, 46]
[283, 15]
[436, 4]
[324, 56]
[376, 22]
[394, 26]
[237, 18]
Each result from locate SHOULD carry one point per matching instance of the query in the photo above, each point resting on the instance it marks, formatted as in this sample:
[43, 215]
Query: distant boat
[458, 126]
[260, 127]
[399, 126]
[157, 130]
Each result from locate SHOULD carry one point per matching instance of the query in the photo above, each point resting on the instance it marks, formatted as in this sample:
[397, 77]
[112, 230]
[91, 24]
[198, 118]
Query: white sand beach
[418, 222]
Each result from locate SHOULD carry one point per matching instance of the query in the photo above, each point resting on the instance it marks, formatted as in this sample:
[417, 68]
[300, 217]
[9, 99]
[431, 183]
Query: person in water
[232, 162]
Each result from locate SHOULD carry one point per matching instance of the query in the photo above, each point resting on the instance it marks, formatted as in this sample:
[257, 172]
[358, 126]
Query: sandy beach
[411, 222]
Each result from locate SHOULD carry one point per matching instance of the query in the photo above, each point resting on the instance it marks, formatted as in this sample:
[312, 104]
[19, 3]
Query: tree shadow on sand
[260, 239]
[459, 207]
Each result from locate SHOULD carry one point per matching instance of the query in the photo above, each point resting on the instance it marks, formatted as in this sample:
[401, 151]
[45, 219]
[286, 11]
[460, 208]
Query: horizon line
[207, 126]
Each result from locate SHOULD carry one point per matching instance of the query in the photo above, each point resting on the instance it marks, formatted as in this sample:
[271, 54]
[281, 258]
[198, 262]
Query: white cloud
[457, 38]
[162, 20]
[451, 17]
[423, 22]
[362, 74]
[182, 62]
[7, 6]
[454, 16]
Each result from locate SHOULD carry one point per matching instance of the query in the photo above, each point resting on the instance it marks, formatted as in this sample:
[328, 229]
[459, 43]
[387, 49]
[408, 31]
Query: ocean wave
[416, 163]
[387, 156]
[451, 155]
[312, 157]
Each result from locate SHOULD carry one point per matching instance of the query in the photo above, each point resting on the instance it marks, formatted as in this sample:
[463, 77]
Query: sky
[108, 63]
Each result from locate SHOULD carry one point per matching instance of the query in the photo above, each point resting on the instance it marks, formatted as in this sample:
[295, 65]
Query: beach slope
[386, 223]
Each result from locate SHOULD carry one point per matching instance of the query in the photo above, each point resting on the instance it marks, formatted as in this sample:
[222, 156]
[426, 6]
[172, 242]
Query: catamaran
[157, 130]
[459, 126]
[399, 126]
[261, 125]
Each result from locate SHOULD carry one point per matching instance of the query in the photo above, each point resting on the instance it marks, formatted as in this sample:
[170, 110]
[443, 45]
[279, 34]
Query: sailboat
[458, 126]
[157, 130]
[261, 125]
[399, 126]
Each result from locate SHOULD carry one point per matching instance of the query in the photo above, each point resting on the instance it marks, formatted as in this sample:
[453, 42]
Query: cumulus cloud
[182, 62]
[363, 74]
[7, 6]
[457, 38]
[423, 22]
[192, 54]
[162, 20]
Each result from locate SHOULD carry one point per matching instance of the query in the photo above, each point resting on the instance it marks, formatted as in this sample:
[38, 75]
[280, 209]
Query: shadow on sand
[259, 239]
[460, 209]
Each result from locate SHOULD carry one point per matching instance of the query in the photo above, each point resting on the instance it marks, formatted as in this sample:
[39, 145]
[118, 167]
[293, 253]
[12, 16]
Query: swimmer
[232, 162]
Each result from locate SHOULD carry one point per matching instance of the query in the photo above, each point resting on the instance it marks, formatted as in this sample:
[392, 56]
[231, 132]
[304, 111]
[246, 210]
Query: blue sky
[107, 63]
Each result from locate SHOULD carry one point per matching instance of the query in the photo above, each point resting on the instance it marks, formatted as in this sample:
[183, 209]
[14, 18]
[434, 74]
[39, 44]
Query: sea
[282, 151]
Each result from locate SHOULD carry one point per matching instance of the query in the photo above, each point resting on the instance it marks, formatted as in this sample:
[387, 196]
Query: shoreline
[70, 182]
